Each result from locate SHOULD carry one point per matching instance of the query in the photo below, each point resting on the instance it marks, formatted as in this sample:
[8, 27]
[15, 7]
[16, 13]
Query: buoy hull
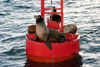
[39, 52]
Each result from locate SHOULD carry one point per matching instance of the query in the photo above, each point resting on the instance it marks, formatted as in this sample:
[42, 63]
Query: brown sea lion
[42, 31]
[54, 9]
[55, 17]
[56, 35]
[47, 35]
[70, 28]
[31, 29]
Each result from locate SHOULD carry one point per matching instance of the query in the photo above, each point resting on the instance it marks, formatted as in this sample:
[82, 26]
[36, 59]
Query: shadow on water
[76, 61]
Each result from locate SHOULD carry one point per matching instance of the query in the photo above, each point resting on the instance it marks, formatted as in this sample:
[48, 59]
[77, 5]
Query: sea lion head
[54, 9]
[70, 28]
[38, 18]
[66, 29]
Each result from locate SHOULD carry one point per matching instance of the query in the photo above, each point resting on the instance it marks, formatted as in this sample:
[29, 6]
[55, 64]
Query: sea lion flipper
[49, 45]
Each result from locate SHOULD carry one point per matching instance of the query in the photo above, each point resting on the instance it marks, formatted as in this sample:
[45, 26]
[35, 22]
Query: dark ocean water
[17, 15]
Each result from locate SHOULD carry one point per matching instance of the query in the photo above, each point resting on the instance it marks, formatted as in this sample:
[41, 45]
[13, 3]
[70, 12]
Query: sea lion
[70, 28]
[54, 9]
[55, 36]
[47, 35]
[31, 29]
[42, 31]
[55, 17]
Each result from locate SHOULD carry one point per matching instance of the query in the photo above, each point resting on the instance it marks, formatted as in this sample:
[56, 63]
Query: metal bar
[50, 8]
[51, 5]
[52, 12]
[42, 8]
[61, 15]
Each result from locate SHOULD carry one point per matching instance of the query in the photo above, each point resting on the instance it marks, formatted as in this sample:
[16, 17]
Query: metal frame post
[42, 8]
[61, 15]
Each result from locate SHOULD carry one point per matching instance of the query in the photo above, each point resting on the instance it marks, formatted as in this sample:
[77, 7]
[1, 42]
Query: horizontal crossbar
[52, 12]
[50, 8]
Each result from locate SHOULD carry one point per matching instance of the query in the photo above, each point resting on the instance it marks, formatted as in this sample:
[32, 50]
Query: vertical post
[42, 8]
[61, 1]
[51, 5]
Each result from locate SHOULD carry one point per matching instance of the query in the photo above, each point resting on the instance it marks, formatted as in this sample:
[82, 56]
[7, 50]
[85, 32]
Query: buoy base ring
[49, 59]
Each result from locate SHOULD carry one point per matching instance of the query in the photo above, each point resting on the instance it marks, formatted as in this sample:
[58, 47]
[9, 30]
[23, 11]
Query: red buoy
[38, 51]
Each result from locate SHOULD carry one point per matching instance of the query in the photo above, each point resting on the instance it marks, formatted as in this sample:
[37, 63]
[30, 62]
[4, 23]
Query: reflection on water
[76, 61]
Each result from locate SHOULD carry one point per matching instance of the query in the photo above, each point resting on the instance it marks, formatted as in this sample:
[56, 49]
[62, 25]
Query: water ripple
[13, 39]
[7, 1]
[23, 7]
